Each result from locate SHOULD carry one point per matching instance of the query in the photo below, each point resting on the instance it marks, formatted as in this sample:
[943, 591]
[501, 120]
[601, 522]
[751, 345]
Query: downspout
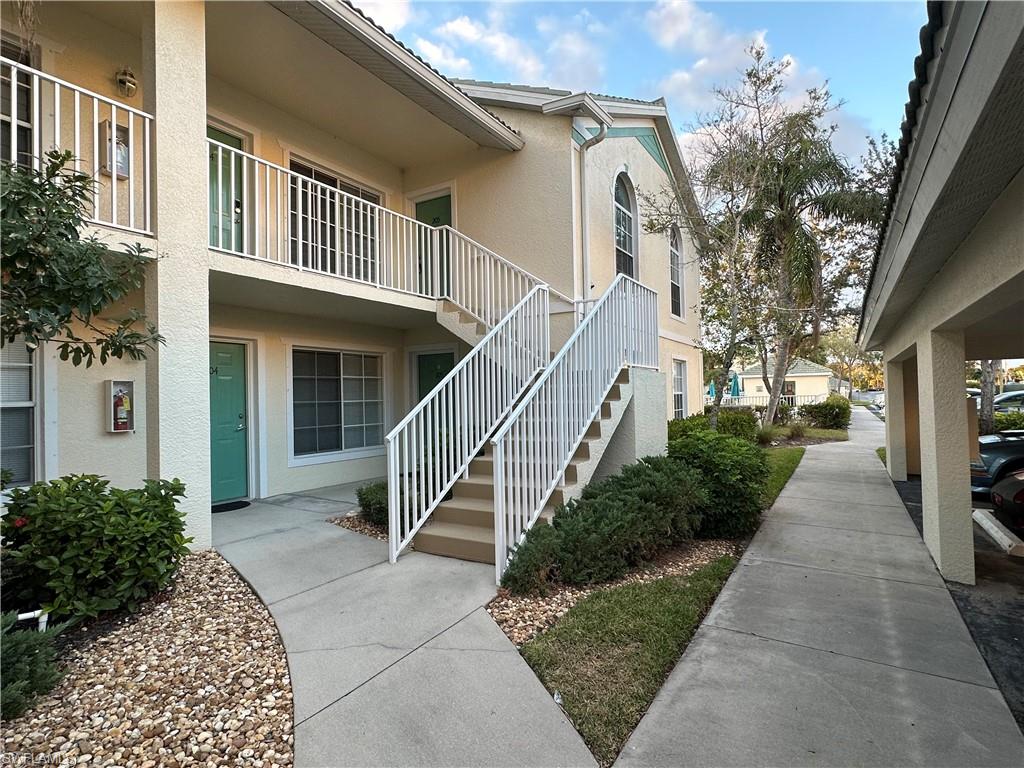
[597, 138]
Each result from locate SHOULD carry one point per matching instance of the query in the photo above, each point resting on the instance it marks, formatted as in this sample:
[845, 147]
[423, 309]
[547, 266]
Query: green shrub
[833, 413]
[1004, 421]
[28, 665]
[373, 502]
[733, 473]
[784, 413]
[766, 434]
[738, 422]
[77, 547]
[797, 430]
[533, 562]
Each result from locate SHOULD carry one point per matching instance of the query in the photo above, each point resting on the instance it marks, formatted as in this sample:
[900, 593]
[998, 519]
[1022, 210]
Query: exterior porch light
[127, 84]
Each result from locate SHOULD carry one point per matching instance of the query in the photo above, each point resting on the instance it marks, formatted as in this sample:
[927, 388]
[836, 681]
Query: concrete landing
[834, 643]
[390, 664]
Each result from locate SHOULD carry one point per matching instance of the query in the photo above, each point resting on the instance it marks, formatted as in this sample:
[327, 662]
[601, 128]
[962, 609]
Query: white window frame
[35, 367]
[675, 272]
[307, 459]
[631, 213]
[676, 392]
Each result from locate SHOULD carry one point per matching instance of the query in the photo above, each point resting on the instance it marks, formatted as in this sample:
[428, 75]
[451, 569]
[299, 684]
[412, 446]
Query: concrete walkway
[395, 665]
[834, 643]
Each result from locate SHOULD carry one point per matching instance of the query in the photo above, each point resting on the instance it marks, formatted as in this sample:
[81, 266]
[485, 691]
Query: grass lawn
[881, 454]
[609, 655]
[815, 433]
[782, 462]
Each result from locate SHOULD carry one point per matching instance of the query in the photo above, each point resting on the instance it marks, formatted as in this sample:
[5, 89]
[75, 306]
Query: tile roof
[921, 62]
[798, 367]
[542, 89]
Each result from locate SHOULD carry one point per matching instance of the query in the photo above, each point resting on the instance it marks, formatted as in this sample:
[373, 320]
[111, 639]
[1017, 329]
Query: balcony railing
[264, 211]
[750, 401]
[110, 141]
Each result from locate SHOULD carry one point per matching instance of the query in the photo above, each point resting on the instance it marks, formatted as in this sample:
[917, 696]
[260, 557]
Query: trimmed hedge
[617, 523]
[738, 422]
[77, 547]
[833, 413]
[373, 503]
[733, 474]
[1004, 421]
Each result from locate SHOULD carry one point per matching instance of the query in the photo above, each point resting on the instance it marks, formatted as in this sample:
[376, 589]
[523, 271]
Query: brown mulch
[356, 522]
[198, 677]
[523, 618]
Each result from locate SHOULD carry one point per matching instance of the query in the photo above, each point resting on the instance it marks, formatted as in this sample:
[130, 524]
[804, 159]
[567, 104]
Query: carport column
[895, 421]
[945, 476]
[177, 284]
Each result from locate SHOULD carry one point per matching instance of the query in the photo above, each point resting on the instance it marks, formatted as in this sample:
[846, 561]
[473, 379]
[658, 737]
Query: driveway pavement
[834, 643]
[395, 665]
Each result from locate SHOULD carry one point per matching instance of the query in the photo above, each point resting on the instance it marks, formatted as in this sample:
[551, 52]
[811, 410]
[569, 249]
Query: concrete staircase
[463, 526]
[460, 323]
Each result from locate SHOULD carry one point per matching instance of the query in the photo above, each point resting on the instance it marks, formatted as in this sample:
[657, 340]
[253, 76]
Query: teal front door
[430, 369]
[225, 191]
[229, 447]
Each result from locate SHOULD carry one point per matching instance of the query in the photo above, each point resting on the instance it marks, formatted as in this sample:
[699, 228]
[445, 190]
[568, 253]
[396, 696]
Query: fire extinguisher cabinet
[121, 406]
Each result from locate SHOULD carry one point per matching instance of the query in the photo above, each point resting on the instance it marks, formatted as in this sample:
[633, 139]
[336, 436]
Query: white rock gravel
[197, 678]
[523, 618]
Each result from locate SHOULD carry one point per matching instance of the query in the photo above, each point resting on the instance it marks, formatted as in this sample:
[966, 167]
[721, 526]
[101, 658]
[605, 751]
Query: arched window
[675, 271]
[625, 239]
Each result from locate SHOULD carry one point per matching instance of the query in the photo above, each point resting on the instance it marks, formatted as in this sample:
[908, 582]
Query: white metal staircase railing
[535, 444]
[433, 446]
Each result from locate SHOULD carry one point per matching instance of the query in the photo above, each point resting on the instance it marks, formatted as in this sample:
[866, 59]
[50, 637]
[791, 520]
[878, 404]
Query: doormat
[229, 506]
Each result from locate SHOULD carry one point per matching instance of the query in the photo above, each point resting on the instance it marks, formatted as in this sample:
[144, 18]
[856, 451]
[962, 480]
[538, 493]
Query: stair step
[614, 394]
[480, 486]
[482, 465]
[466, 542]
[466, 510]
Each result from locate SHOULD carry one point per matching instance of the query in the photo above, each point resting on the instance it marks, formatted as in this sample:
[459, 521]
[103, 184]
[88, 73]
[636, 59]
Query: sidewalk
[391, 665]
[834, 643]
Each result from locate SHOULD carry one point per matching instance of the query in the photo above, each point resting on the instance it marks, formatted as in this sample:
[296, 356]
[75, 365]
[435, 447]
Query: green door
[431, 368]
[229, 465]
[435, 213]
[225, 197]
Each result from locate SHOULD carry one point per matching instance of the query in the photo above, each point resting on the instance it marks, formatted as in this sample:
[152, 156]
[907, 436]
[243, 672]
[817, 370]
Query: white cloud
[443, 58]
[492, 39]
[390, 14]
[681, 24]
[577, 63]
[692, 87]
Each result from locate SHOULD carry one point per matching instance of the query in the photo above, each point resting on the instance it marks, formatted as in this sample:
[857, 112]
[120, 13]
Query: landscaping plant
[1002, 422]
[797, 430]
[373, 502]
[28, 665]
[733, 473]
[533, 562]
[78, 547]
[738, 422]
[833, 413]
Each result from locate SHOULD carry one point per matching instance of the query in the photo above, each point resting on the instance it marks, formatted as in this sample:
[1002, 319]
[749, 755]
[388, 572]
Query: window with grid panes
[18, 417]
[675, 276]
[679, 389]
[21, 96]
[337, 401]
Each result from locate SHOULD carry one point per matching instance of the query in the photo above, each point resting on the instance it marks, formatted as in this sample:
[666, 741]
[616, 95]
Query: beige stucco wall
[518, 204]
[271, 337]
[805, 385]
[668, 351]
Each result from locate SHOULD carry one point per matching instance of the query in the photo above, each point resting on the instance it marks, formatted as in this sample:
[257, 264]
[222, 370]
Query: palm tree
[806, 187]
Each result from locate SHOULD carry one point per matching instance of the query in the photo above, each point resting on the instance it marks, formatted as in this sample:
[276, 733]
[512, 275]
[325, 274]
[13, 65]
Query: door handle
[240, 428]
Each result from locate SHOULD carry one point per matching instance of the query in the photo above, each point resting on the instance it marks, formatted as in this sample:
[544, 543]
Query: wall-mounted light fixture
[127, 85]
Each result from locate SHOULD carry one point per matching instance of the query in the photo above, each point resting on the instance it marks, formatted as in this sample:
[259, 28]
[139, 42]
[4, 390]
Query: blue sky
[677, 49]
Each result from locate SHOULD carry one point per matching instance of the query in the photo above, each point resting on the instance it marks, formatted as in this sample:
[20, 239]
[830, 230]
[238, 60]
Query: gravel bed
[197, 677]
[356, 522]
[523, 618]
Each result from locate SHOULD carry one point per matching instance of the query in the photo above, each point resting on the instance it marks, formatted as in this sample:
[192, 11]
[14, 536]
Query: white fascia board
[578, 103]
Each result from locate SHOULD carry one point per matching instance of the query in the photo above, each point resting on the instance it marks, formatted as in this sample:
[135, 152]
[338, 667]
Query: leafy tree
[988, 391]
[56, 283]
[842, 351]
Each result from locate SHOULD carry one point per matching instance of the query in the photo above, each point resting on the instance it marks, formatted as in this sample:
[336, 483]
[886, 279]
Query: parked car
[1008, 499]
[1008, 401]
[1001, 454]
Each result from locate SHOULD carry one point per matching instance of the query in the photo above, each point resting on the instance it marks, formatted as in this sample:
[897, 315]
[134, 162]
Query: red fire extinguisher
[122, 407]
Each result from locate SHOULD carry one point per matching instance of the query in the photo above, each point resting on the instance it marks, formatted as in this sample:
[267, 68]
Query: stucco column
[177, 283]
[895, 421]
[945, 476]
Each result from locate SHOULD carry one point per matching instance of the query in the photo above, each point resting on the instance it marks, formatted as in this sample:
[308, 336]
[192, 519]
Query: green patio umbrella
[734, 390]
[711, 389]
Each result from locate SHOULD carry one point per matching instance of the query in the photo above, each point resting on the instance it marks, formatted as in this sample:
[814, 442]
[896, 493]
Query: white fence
[752, 401]
[536, 443]
[110, 141]
[432, 447]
